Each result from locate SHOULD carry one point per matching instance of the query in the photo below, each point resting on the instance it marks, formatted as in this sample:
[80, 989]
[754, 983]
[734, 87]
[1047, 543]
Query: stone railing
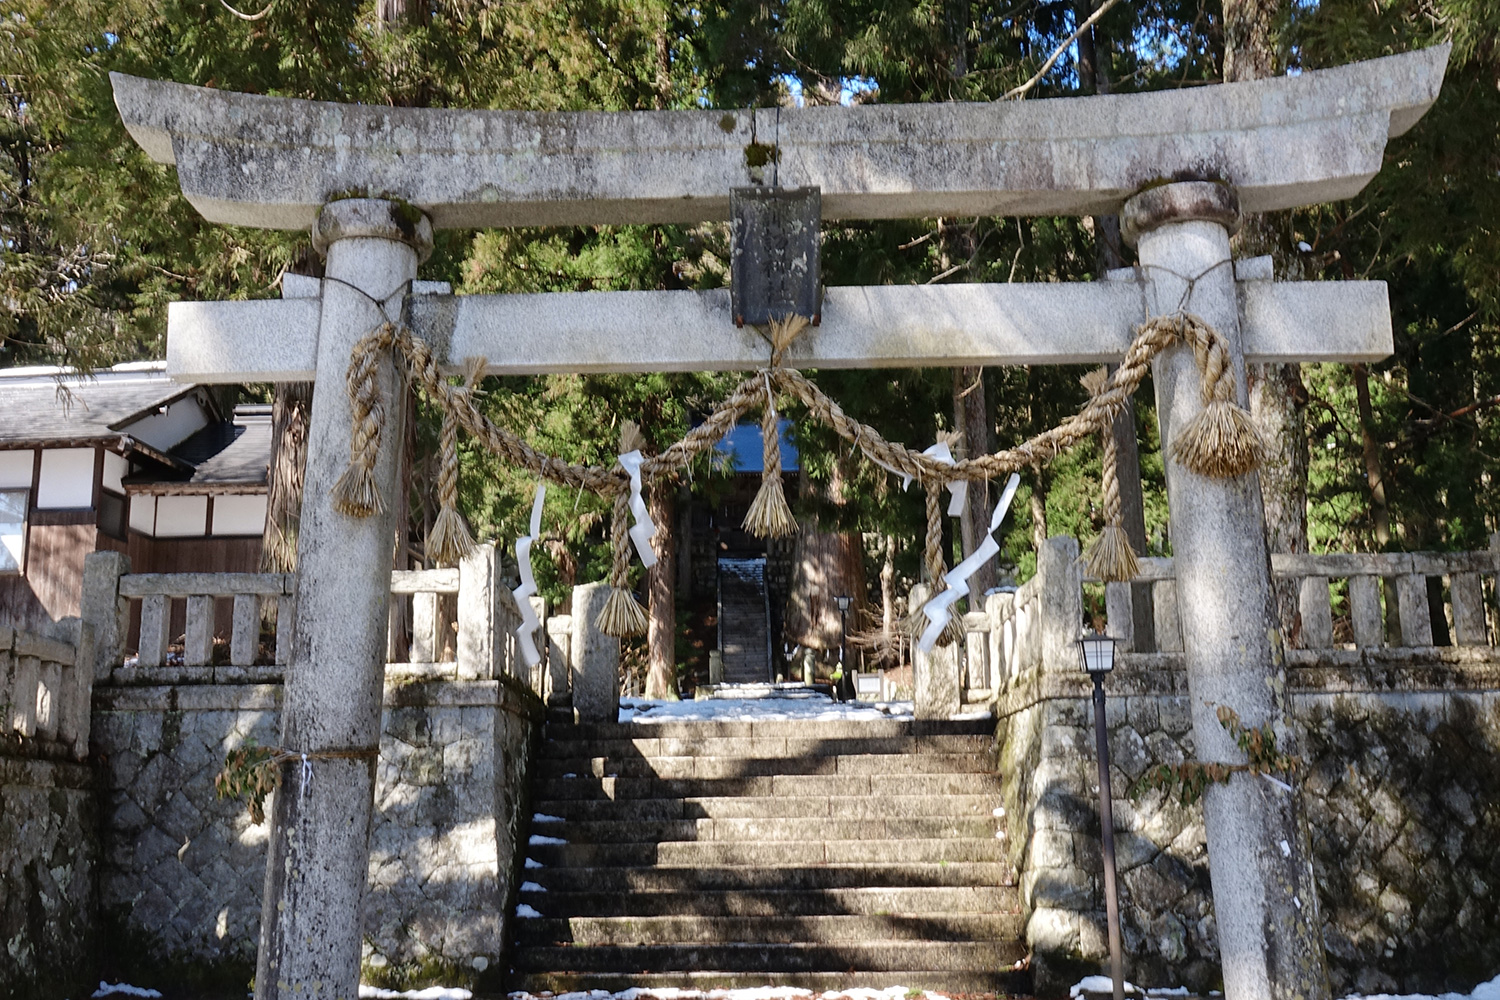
[45, 688]
[1388, 600]
[1385, 604]
[186, 636]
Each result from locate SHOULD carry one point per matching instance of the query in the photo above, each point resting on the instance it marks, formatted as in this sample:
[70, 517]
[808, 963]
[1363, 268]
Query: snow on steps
[820, 853]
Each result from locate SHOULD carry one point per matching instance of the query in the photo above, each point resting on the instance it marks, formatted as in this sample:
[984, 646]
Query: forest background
[96, 240]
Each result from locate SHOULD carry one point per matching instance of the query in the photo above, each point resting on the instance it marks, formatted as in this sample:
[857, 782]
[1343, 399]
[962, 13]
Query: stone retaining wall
[183, 871]
[1401, 794]
[48, 858]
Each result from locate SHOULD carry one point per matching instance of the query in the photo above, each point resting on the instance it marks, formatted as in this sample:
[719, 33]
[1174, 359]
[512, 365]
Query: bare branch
[1020, 92]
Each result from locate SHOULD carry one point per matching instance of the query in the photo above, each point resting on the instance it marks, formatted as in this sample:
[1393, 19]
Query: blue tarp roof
[742, 448]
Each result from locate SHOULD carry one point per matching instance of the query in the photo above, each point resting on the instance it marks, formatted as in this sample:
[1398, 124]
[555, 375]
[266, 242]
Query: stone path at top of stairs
[825, 855]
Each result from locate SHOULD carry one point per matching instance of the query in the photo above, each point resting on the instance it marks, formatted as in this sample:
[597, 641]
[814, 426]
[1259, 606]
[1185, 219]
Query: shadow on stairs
[809, 853]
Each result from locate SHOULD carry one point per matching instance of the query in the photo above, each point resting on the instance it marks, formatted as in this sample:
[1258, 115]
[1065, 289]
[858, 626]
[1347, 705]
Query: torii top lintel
[1282, 142]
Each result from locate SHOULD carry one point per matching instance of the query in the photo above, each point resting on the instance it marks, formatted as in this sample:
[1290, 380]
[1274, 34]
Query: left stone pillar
[318, 861]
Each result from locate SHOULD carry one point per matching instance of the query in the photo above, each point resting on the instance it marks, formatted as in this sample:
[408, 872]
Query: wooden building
[124, 460]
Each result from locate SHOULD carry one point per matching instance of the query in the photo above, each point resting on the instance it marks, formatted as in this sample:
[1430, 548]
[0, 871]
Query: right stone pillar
[1265, 900]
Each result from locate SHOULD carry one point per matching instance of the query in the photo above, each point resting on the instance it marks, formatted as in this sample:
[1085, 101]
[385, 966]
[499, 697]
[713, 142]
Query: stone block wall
[183, 871]
[47, 869]
[1401, 791]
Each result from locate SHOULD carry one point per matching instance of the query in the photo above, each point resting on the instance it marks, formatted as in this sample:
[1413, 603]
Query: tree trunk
[661, 636]
[1247, 39]
[1278, 399]
[663, 62]
[824, 565]
[888, 591]
[971, 417]
[1380, 511]
[1038, 506]
[278, 548]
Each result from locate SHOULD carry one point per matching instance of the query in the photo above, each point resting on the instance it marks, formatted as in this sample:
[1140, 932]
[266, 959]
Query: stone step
[769, 855]
[1003, 981]
[819, 929]
[807, 806]
[765, 747]
[779, 829]
[775, 785]
[563, 730]
[866, 901]
[751, 767]
[770, 958]
[799, 878]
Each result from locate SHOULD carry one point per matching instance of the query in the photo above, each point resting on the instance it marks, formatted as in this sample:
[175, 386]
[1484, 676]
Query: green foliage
[251, 773]
[1186, 781]
[95, 239]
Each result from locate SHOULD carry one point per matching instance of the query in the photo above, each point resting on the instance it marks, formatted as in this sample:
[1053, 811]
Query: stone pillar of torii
[1244, 147]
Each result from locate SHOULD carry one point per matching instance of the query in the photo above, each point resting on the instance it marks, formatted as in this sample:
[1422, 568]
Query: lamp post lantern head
[1097, 654]
[844, 600]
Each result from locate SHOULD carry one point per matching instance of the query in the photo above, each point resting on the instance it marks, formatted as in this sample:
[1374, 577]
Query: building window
[13, 504]
[112, 514]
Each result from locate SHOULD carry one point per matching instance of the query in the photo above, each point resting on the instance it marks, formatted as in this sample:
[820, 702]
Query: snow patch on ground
[123, 989]
[532, 887]
[526, 911]
[430, 993]
[1484, 991]
[1103, 985]
[819, 709]
[756, 993]
[533, 863]
[538, 839]
[544, 818]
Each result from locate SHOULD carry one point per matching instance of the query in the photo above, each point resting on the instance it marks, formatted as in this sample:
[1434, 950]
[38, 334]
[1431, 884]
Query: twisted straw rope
[1220, 441]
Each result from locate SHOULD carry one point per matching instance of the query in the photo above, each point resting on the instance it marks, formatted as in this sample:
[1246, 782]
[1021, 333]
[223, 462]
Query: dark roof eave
[121, 444]
[165, 488]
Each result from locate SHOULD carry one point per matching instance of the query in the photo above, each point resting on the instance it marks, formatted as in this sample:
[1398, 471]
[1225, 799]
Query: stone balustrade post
[595, 658]
[937, 675]
[1060, 597]
[553, 686]
[107, 613]
[480, 615]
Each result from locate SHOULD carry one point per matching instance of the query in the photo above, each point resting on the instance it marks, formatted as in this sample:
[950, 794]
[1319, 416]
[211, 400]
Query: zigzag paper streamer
[526, 633]
[644, 528]
[938, 610]
[958, 487]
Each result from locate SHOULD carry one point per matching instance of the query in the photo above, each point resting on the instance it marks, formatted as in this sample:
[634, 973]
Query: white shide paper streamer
[644, 528]
[958, 487]
[526, 633]
[957, 578]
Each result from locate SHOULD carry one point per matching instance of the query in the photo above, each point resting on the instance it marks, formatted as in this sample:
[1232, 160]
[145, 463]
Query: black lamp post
[846, 683]
[1098, 655]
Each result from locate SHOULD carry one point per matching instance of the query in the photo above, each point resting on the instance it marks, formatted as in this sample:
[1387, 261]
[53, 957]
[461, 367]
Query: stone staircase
[825, 855]
[743, 621]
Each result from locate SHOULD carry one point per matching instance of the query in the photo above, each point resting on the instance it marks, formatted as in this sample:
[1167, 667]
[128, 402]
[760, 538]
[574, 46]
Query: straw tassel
[355, 493]
[1221, 441]
[450, 540]
[622, 615]
[769, 516]
[1110, 557]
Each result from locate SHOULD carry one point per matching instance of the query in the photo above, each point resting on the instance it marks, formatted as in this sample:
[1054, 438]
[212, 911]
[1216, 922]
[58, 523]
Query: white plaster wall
[178, 517]
[115, 467]
[67, 478]
[240, 515]
[143, 514]
[167, 430]
[15, 469]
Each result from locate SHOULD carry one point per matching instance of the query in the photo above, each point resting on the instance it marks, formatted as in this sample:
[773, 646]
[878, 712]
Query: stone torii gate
[1255, 147]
